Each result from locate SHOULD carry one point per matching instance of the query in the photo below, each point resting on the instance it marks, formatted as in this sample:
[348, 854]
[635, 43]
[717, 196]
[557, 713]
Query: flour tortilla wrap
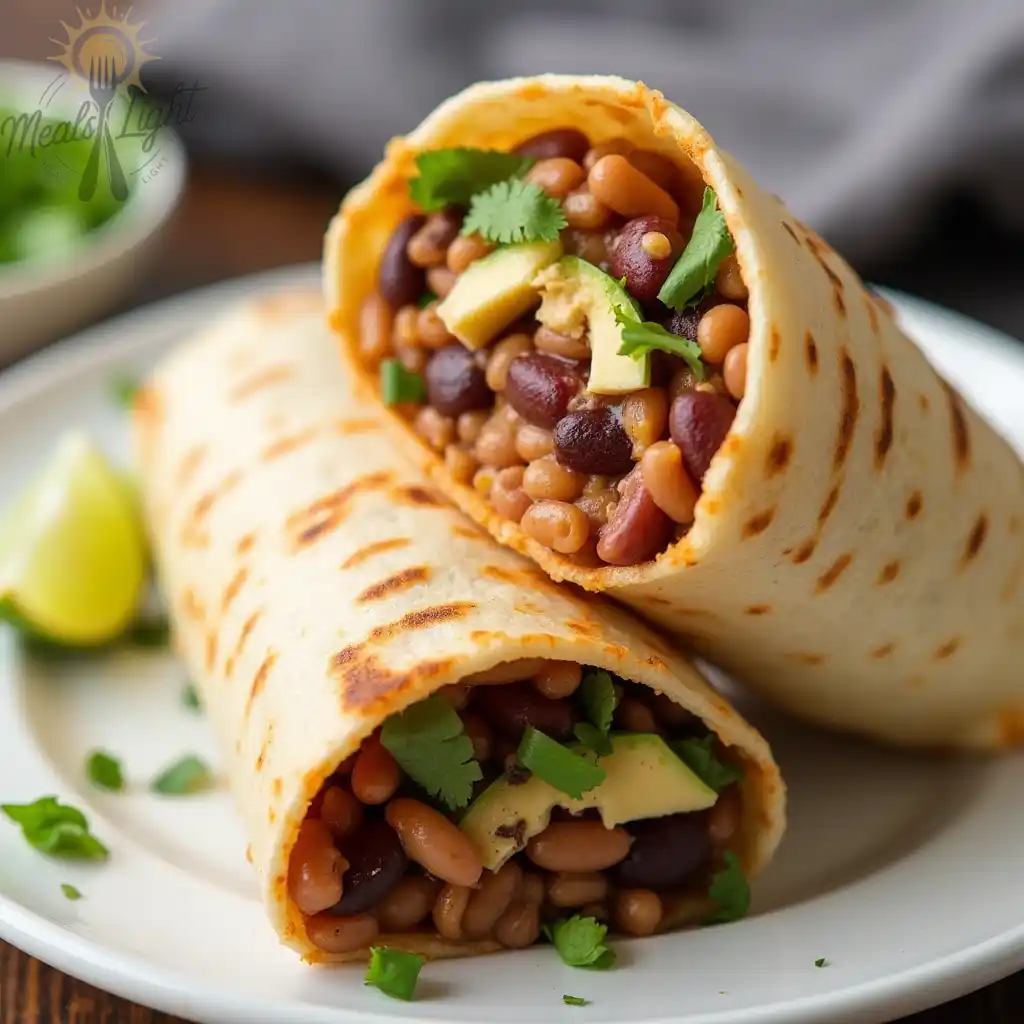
[858, 550]
[317, 585]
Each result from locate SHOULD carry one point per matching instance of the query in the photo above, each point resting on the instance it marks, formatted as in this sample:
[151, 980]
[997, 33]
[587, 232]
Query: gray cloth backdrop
[864, 114]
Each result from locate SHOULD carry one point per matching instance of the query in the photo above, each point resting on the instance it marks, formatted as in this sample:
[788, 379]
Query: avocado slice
[574, 291]
[494, 291]
[645, 780]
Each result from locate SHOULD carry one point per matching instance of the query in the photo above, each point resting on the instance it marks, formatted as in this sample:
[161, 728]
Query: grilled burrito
[433, 747]
[622, 357]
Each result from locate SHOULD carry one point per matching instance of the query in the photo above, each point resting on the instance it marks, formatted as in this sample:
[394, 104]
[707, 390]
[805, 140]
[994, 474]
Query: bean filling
[546, 438]
[383, 851]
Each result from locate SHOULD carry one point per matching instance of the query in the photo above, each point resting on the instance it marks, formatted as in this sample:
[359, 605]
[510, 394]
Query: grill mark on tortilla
[884, 651]
[829, 577]
[326, 513]
[804, 552]
[869, 304]
[287, 444]
[261, 379]
[807, 658]
[259, 680]
[365, 680]
[759, 523]
[233, 588]
[811, 352]
[949, 648]
[789, 231]
[584, 627]
[977, 538]
[774, 344]
[416, 495]
[887, 396]
[193, 534]
[830, 504]
[191, 606]
[779, 455]
[190, 462]
[247, 627]
[961, 431]
[356, 425]
[245, 544]
[422, 618]
[914, 505]
[757, 609]
[501, 574]
[210, 654]
[277, 787]
[889, 572]
[851, 407]
[402, 580]
[923, 403]
[376, 548]
[468, 532]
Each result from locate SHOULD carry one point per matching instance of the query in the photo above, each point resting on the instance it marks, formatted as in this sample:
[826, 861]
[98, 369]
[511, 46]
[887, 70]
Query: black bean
[376, 862]
[456, 382]
[511, 707]
[566, 142]
[593, 441]
[643, 273]
[399, 280]
[699, 423]
[539, 387]
[666, 852]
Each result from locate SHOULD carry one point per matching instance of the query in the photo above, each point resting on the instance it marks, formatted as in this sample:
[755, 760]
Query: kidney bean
[376, 863]
[637, 529]
[643, 272]
[455, 383]
[558, 142]
[699, 423]
[666, 852]
[539, 386]
[510, 709]
[399, 280]
[593, 441]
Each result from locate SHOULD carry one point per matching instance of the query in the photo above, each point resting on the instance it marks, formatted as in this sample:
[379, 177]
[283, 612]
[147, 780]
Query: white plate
[903, 871]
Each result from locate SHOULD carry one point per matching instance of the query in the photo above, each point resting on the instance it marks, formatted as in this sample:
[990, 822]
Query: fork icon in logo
[103, 83]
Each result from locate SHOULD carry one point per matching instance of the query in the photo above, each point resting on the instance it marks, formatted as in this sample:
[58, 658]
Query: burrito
[433, 747]
[619, 355]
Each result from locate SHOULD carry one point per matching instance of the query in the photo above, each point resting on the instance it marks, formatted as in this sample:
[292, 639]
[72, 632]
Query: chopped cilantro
[592, 738]
[699, 757]
[822, 962]
[451, 177]
[429, 742]
[514, 211]
[123, 389]
[70, 892]
[698, 263]
[190, 697]
[730, 890]
[557, 765]
[105, 771]
[56, 829]
[597, 691]
[393, 971]
[154, 631]
[427, 298]
[184, 777]
[575, 1001]
[638, 339]
[579, 941]
[399, 385]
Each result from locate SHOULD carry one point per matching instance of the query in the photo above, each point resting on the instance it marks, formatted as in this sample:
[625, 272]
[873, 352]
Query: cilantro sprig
[451, 177]
[699, 756]
[730, 890]
[575, 1001]
[429, 742]
[514, 211]
[56, 829]
[641, 338]
[698, 263]
[598, 697]
[558, 766]
[393, 971]
[579, 941]
[104, 771]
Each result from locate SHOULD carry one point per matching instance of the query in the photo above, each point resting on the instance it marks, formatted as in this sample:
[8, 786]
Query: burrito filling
[521, 796]
[566, 324]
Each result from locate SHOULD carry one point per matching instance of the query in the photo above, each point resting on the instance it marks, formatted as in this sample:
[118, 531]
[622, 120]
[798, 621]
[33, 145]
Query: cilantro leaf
[514, 211]
[558, 766]
[123, 389]
[184, 777]
[638, 339]
[597, 691]
[70, 892]
[56, 829]
[822, 961]
[190, 697]
[699, 757]
[451, 177]
[730, 890]
[593, 738]
[579, 941]
[399, 385]
[429, 742]
[105, 771]
[427, 298]
[698, 263]
[393, 971]
[575, 1001]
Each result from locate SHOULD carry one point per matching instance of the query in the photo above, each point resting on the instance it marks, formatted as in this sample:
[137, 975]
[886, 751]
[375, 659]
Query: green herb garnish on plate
[190, 697]
[70, 892]
[575, 1001]
[104, 771]
[394, 971]
[56, 829]
[183, 778]
[579, 941]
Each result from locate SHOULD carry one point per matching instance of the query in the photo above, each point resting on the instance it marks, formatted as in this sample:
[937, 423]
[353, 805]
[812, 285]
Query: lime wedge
[73, 557]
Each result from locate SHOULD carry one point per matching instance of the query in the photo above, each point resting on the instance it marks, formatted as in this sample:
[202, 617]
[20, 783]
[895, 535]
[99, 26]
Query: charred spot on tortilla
[830, 504]
[414, 494]
[961, 432]
[977, 538]
[805, 551]
[811, 352]
[759, 523]
[259, 680]
[869, 305]
[365, 681]
[357, 425]
[884, 651]
[584, 627]
[261, 758]
[889, 572]
[376, 548]
[245, 544]
[261, 379]
[190, 463]
[787, 227]
[401, 580]
[326, 514]
[774, 345]
[829, 577]
[807, 658]
[290, 443]
[757, 609]
[232, 590]
[779, 455]
[468, 532]
[914, 505]
[655, 662]
[247, 627]
[422, 618]
[884, 436]
[923, 404]
[193, 534]
[851, 408]
[210, 657]
[191, 607]
[277, 787]
[949, 648]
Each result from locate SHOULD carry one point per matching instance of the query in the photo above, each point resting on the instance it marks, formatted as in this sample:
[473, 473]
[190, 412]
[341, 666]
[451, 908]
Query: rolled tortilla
[857, 553]
[317, 586]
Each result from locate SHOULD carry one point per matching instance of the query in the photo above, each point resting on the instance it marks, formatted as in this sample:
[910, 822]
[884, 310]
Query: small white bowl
[42, 299]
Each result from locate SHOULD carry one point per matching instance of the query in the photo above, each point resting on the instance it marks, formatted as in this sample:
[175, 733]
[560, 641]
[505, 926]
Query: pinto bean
[342, 934]
[315, 868]
[434, 842]
[578, 846]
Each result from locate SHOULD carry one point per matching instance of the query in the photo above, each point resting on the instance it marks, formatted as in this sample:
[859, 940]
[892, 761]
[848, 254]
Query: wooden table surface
[216, 235]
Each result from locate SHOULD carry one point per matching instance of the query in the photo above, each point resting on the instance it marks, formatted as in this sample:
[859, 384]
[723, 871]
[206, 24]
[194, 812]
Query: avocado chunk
[645, 780]
[576, 295]
[494, 291]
